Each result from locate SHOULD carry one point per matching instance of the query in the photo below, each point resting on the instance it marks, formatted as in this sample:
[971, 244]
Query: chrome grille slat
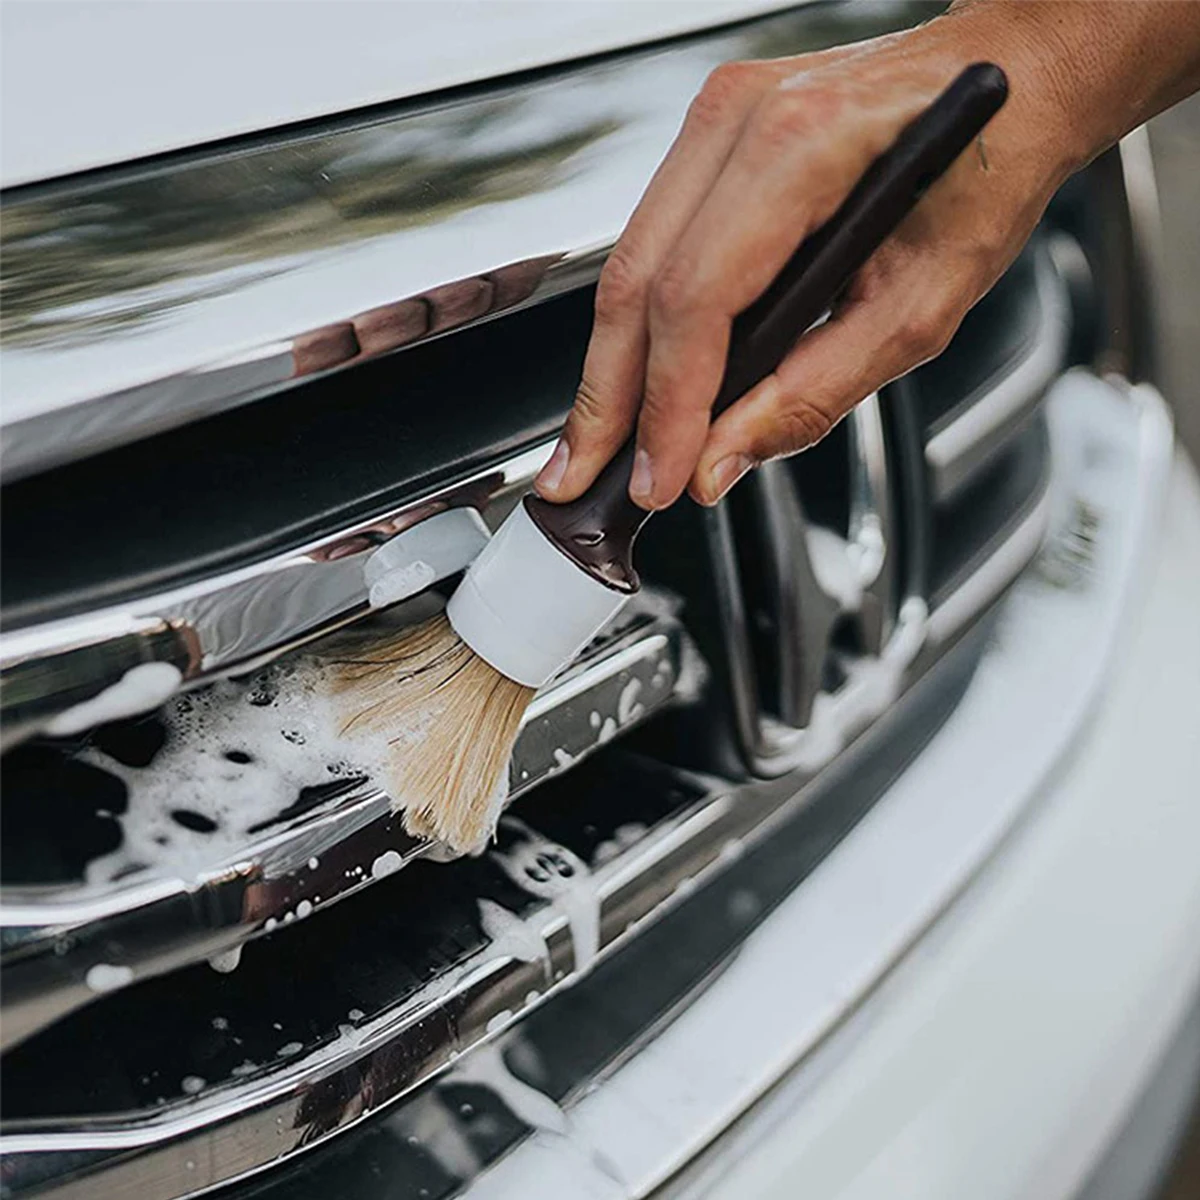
[151, 924]
[234, 621]
[982, 423]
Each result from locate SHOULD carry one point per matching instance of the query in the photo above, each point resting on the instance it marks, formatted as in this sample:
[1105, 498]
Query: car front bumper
[1036, 986]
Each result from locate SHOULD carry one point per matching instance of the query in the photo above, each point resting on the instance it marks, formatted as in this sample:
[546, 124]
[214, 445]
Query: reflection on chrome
[137, 299]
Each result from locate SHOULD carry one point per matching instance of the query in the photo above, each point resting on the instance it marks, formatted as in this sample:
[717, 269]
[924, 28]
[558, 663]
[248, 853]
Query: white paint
[388, 863]
[227, 961]
[141, 689]
[192, 1084]
[76, 77]
[105, 977]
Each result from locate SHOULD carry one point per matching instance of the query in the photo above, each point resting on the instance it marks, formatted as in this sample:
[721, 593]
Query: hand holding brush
[458, 685]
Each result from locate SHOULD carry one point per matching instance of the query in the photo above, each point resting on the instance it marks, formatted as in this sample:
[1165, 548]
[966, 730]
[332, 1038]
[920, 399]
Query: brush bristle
[449, 720]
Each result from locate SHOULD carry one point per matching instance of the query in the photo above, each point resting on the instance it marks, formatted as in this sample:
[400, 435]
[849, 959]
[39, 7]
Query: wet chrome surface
[229, 621]
[135, 300]
[157, 920]
[981, 423]
[235, 1126]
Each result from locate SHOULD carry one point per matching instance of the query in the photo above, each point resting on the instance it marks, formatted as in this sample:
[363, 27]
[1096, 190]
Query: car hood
[89, 84]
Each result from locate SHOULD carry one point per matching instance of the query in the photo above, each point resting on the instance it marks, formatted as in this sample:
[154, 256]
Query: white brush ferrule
[525, 607]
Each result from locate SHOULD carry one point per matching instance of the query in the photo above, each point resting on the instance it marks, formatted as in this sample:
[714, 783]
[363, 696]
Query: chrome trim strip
[151, 924]
[984, 421]
[987, 582]
[141, 298]
[239, 1127]
[231, 621]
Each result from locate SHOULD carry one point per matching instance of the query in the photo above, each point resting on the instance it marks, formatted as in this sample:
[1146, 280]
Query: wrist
[1040, 47]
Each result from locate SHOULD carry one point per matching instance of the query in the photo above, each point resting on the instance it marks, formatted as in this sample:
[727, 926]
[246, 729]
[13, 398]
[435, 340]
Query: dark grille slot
[967, 532]
[257, 480]
[1009, 350]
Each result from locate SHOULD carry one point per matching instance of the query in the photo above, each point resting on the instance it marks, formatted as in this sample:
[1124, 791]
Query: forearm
[1099, 67]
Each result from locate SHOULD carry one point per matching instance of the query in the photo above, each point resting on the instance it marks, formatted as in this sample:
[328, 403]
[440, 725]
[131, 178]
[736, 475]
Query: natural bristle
[449, 720]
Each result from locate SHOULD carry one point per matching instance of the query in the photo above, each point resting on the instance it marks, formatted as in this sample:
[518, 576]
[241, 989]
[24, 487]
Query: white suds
[191, 1084]
[236, 755]
[139, 690]
[485, 1065]
[388, 863]
[498, 1020]
[623, 837]
[104, 977]
[628, 707]
[511, 935]
[220, 1023]
[356, 1014]
[244, 1068]
[290, 1048]
[303, 909]
[546, 869]
[227, 961]
[313, 863]
[562, 758]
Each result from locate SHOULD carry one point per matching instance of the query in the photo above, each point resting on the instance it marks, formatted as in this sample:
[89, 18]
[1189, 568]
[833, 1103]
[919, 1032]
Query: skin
[768, 151]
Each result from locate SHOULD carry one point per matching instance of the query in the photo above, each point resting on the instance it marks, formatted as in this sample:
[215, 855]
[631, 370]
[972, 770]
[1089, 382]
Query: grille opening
[996, 332]
[251, 482]
[295, 989]
[821, 477]
[968, 529]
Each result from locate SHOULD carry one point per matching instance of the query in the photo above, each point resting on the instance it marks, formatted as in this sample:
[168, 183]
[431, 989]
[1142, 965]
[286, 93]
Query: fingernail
[727, 472]
[641, 481]
[550, 477]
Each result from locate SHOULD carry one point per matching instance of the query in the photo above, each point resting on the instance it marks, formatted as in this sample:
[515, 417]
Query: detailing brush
[554, 574]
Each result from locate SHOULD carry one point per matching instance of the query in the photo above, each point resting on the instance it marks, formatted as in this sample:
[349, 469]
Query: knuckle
[926, 334]
[786, 118]
[673, 292]
[723, 92]
[590, 409]
[802, 424]
[621, 289]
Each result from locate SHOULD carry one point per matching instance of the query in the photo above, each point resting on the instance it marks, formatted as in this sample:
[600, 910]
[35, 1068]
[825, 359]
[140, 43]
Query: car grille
[195, 993]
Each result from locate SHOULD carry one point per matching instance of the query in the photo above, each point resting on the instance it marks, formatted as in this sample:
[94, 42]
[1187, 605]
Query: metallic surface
[980, 424]
[826, 1023]
[233, 620]
[141, 298]
[795, 981]
[215, 1130]
[152, 923]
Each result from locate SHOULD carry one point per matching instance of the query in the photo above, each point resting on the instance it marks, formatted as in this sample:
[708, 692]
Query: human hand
[767, 153]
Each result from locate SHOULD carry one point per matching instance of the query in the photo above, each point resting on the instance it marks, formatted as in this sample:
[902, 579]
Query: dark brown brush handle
[598, 529]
